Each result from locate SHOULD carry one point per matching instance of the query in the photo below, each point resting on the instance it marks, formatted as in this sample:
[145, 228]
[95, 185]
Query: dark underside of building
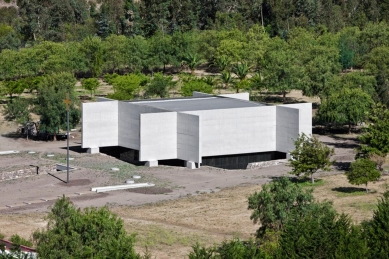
[236, 161]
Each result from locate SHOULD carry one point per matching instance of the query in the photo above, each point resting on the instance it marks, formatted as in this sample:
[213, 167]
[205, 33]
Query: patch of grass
[306, 182]
[154, 236]
[364, 206]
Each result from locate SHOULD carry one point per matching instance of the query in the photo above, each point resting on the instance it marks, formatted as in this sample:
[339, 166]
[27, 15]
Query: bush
[195, 85]
[377, 230]
[321, 233]
[88, 233]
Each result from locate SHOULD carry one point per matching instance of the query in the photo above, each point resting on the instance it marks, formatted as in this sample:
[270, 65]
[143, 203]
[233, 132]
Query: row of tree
[64, 20]
[251, 60]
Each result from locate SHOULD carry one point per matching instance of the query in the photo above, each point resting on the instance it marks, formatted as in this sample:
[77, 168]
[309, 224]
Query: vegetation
[87, 233]
[310, 155]
[363, 171]
[314, 230]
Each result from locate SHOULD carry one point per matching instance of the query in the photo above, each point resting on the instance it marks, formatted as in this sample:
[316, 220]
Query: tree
[128, 86]
[13, 87]
[222, 62]
[347, 106]
[280, 68]
[92, 48]
[377, 230]
[241, 70]
[192, 61]
[90, 84]
[375, 136]
[229, 249]
[363, 171]
[52, 91]
[159, 86]
[197, 85]
[310, 155]
[226, 79]
[116, 54]
[88, 233]
[321, 233]
[17, 111]
[276, 203]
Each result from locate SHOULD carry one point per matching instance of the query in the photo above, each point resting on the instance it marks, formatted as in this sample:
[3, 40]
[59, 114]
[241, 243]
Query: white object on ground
[31, 152]
[121, 187]
[115, 169]
[130, 181]
[8, 152]
[136, 176]
[50, 155]
[70, 158]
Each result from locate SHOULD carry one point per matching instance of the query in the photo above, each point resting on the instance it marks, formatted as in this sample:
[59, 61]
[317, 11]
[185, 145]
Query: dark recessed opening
[240, 161]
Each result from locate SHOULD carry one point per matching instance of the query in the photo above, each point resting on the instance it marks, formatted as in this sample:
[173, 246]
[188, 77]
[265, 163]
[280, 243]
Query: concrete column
[190, 165]
[153, 163]
[93, 150]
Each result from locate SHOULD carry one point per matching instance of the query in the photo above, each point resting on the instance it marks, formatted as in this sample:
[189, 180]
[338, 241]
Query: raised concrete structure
[223, 130]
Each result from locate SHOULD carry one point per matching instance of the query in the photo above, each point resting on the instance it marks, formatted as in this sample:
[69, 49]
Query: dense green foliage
[88, 233]
[17, 111]
[277, 203]
[334, 50]
[363, 171]
[321, 233]
[51, 93]
[377, 230]
[375, 137]
[309, 156]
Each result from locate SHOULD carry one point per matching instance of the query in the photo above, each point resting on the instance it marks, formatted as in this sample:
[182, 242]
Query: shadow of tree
[348, 189]
[344, 166]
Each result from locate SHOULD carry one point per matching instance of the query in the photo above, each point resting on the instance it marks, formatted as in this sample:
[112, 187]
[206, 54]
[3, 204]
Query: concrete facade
[192, 128]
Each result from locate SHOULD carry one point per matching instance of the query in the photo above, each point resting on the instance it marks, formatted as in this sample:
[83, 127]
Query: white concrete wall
[129, 123]
[237, 131]
[305, 116]
[240, 96]
[188, 137]
[158, 136]
[100, 124]
[287, 128]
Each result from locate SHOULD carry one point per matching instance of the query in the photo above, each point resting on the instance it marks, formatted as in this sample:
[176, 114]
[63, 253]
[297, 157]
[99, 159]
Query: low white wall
[188, 137]
[158, 136]
[100, 124]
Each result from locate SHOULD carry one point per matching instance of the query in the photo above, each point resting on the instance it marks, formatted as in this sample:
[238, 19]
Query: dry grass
[351, 199]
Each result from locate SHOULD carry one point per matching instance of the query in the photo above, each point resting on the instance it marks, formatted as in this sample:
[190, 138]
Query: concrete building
[226, 131]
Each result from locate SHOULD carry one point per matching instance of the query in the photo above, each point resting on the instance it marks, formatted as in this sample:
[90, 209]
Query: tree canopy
[310, 155]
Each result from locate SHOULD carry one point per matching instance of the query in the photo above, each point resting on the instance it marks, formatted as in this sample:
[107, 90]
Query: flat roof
[198, 103]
